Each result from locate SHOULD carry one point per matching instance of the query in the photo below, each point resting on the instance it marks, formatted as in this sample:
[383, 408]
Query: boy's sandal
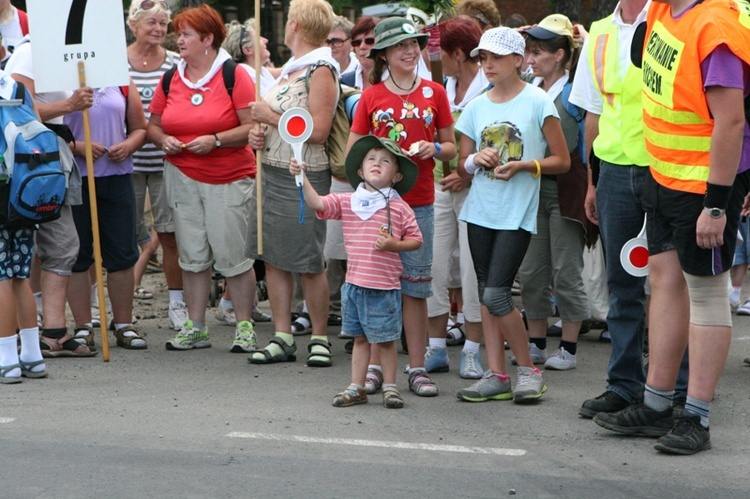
[422, 385]
[299, 328]
[319, 354]
[135, 341]
[63, 347]
[142, 294]
[453, 338]
[9, 380]
[350, 397]
[287, 354]
[392, 398]
[27, 369]
[373, 381]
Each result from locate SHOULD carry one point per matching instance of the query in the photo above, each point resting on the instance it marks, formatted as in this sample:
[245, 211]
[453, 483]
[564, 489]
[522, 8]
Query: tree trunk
[570, 8]
[601, 9]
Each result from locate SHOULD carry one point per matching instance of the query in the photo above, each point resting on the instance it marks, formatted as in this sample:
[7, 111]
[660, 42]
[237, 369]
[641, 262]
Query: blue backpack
[35, 188]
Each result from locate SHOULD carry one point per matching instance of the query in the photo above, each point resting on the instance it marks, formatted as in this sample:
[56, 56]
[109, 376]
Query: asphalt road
[206, 423]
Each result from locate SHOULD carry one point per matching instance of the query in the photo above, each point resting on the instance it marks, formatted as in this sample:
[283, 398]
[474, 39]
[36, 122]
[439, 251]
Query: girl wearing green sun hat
[415, 113]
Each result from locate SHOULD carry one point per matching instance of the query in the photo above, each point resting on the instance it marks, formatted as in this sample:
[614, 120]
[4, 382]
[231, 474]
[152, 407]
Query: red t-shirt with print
[407, 119]
[183, 119]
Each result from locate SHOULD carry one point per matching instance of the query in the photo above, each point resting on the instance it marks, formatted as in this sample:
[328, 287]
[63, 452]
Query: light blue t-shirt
[515, 129]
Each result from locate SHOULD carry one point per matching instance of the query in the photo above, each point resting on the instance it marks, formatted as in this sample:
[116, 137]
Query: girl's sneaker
[487, 388]
[561, 360]
[529, 385]
[470, 366]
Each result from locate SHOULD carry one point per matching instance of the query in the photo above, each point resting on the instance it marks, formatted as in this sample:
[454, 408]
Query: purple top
[107, 118]
[724, 69]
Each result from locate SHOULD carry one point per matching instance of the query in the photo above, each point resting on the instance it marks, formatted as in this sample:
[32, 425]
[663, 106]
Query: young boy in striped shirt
[377, 226]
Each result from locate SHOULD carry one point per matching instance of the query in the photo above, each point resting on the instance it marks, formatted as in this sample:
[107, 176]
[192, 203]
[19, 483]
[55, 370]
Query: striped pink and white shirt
[366, 266]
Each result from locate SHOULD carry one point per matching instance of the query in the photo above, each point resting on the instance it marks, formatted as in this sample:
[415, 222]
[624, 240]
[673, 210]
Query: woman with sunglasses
[208, 171]
[339, 41]
[362, 39]
[416, 114]
[148, 60]
[240, 43]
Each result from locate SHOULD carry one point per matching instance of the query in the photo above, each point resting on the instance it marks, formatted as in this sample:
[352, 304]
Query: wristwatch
[218, 142]
[714, 212]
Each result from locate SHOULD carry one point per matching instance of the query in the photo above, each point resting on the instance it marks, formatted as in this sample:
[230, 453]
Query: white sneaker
[226, 316]
[538, 356]
[561, 360]
[744, 309]
[734, 301]
[178, 314]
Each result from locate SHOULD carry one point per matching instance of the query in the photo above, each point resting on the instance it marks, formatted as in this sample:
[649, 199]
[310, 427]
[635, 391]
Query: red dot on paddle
[296, 126]
[639, 257]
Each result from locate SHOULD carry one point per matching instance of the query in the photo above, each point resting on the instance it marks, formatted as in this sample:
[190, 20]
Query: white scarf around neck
[294, 64]
[556, 89]
[478, 85]
[221, 56]
[366, 203]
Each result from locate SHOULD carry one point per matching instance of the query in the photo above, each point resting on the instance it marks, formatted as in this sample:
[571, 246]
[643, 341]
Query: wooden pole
[259, 152]
[94, 221]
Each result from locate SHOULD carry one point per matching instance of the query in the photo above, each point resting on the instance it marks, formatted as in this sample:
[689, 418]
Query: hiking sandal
[131, 342]
[287, 354]
[392, 398]
[455, 335]
[142, 294]
[422, 385]
[350, 397]
[84, 335]
[63, 347]
[319, 354]
[26, 369]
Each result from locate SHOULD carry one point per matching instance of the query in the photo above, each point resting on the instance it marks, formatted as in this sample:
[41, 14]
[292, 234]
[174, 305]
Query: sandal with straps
[455, 335]
[350, 397]
[287, 354]
[142, 294]
[392, 398]
[131, 342]
[422, 385]
[320, 357]
[63, 347]
[9, 380]
[373, 381]
[27, 369]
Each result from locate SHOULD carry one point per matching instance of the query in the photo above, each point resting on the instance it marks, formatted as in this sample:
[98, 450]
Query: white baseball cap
[501, 41]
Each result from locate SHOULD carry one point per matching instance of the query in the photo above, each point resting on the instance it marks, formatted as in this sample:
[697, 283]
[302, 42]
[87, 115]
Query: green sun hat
[361, 147]
[393, 30]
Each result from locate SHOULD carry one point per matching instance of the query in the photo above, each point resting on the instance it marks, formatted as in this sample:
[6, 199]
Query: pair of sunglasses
[150, 4]
[367, 41]
[336, 42]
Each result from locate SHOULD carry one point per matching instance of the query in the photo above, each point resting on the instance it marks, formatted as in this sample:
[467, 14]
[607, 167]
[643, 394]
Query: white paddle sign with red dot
[634, 255]
[295, 127]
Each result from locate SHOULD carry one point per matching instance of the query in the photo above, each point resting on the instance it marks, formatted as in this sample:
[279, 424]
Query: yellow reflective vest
[620, 139]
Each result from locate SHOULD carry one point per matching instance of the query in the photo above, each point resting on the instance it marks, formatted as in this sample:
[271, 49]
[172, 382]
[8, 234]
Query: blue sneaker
[470, 366]
[436, 360]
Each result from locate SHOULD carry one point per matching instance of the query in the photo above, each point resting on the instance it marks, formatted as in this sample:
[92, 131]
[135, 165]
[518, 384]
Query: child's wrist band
[437, 149]
[538, 169]
[469, 165]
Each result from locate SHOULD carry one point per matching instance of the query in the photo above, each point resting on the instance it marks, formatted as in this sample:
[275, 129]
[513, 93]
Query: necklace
[411, 87]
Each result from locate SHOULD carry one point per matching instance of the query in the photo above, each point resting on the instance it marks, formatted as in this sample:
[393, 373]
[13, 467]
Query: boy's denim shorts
[16, 248]
[375, 313]
[416, 278]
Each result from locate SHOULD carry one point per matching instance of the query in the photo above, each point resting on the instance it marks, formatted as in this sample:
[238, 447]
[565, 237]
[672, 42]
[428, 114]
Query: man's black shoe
[637, 420]
[687, 437]
[606, 402]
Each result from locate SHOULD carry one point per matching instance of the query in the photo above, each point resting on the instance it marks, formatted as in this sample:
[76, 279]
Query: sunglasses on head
[367, 41]
[150, 4]
[336, 42]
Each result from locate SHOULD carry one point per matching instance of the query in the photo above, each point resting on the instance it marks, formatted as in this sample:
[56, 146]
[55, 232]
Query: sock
[569, 346]
[503, 377]
[176, 295]
[287, 337]
[355, 387]
[541, 343]
[55, 333]
[471, 346]
[225, 304]
[417, 369]
[199, 325]
[38, 300]
[94, 296]
[302, 321]
[30, 351]
[658, 400]
[9, 355]
[304, 307]
[388, 385]
[438, 342]
[460, 318]
[374, 368]
[699, 407]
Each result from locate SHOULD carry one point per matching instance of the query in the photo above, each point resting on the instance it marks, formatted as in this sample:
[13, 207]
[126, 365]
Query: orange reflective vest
[620, 138]
[678, 124]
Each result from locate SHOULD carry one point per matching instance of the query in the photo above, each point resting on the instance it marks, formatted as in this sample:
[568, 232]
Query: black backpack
[227, 71]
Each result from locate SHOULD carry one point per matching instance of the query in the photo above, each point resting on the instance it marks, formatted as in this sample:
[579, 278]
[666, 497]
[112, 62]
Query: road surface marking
[379, 443]
[7, 420]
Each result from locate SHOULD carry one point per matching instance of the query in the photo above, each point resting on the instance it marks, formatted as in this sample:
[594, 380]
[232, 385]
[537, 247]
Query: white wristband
[469, 165]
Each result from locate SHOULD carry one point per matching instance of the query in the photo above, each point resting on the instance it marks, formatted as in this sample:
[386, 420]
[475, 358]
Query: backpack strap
[23, 20]
[311, 69]
[227, 71]
[20, 92]
[577, 115]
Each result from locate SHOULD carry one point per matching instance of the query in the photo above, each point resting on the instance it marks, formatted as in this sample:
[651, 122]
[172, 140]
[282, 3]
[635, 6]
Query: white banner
[64, 32]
